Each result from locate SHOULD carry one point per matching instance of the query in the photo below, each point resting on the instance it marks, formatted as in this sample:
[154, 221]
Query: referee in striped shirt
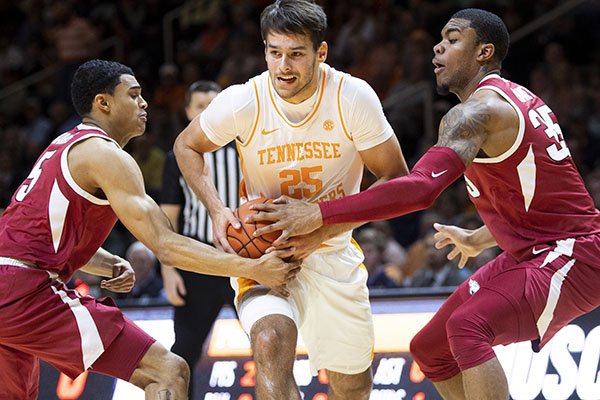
[197, 298]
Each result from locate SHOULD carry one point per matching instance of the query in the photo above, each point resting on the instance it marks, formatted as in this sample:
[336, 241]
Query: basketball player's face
[128, 115]
[293, 65]
[455, 57]
[198, 103]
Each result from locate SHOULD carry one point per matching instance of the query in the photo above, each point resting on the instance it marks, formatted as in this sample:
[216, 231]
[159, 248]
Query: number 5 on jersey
[301, 183]
[33, 177]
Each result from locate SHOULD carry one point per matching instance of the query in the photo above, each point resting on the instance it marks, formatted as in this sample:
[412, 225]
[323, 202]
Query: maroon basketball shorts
[506, 302]
[41, 318]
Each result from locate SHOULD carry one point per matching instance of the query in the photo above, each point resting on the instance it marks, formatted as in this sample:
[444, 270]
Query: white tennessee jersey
[316, 158]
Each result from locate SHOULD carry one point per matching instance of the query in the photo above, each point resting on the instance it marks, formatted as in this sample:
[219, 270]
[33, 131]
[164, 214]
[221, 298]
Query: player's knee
[421, 348]
[268, 343]
[468, 335]
[175, 370]
[190, 354]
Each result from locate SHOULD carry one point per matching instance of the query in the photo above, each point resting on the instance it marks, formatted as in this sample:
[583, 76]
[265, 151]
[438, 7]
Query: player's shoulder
[354, 93]
[492, 103]
[237, 96]
[350, 85]
[97, 152]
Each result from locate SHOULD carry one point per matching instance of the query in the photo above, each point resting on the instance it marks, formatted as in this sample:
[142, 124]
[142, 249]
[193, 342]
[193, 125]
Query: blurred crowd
[172, 43]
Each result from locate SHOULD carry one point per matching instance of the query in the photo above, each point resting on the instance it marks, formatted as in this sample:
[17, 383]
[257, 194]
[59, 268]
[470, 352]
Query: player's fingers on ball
[234, 222]
[263, 216]
[261, 207]
[270, 250]
[285, 235]
[265, 229]
[281, 200]
[282, 244]
[286, 252]
[278, 253]
[253, 218]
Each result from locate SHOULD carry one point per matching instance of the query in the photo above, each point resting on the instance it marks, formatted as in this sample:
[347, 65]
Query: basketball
[241, 240]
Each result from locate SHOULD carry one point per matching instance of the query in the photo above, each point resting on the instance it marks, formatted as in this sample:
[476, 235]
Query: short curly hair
[94, 77]
[489, 29]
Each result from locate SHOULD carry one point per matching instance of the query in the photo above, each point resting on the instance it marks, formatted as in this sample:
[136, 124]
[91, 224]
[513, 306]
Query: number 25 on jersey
[301, 183]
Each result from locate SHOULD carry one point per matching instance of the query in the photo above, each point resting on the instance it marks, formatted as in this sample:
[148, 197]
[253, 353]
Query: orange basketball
[241, 240]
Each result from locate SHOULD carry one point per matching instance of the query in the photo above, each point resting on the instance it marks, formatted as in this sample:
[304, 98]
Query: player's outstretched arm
[386, 162]
[462, 132]
[189, 149]
[100, 166]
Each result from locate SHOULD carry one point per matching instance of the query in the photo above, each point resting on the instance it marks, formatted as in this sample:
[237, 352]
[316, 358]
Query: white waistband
[14, 263]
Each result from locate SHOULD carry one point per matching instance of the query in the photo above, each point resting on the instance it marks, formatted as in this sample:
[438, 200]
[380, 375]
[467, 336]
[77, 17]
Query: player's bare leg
[162, 374]
[346, 387]
[452, 389]
[273, 341]
[486, 381]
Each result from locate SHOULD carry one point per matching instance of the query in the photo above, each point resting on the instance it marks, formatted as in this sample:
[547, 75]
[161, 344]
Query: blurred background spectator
[148, 283]
[373, 243]
[436, 270]
[171, 43]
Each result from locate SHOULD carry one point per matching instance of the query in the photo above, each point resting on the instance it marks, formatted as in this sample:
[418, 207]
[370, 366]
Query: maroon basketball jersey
[51, 220]
[532, 194]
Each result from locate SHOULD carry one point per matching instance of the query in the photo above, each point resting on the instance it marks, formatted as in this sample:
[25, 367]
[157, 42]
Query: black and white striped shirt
[193, 218]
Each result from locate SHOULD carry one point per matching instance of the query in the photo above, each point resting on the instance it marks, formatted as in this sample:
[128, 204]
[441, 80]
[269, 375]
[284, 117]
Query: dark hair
[489, 29]
[94, 77]
[201, 86]
[299, 17]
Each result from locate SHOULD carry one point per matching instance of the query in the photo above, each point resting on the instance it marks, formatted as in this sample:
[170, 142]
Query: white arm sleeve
[230, 115]
[363, 114]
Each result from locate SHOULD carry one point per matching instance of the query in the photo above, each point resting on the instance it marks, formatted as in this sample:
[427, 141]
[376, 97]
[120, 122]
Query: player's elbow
[179, 147]
[426, 195]
[427, 200]
[166, 250]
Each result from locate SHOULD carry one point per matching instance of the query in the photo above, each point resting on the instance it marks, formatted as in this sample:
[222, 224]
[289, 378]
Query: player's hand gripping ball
[242, 240]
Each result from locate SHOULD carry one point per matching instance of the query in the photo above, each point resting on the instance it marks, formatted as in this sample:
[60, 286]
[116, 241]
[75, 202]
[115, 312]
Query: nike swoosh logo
[266, 132]
[436, 174]
[538, 251]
